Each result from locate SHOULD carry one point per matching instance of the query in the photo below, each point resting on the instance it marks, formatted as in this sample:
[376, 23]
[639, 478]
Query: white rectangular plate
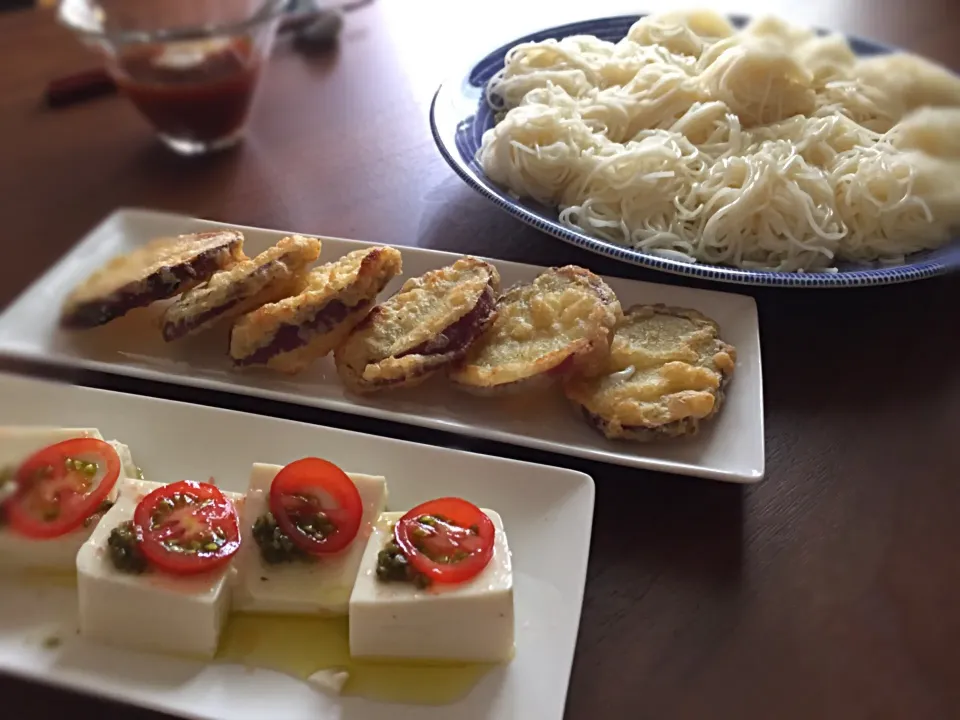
[547, 513]
[729, 448]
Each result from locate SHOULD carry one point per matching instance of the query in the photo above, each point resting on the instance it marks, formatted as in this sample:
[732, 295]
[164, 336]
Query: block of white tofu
[316, 587]
[60, 553]
[466, 622]
[152, 611]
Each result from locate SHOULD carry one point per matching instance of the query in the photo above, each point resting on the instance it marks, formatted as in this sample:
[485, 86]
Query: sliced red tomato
[187, 527]
[317, 505]
[60, 486]
[449, 540]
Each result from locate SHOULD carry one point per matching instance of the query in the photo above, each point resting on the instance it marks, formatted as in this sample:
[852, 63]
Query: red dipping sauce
[198, 90]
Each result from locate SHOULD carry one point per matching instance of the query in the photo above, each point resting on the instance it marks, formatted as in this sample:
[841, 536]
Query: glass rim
[268, 10]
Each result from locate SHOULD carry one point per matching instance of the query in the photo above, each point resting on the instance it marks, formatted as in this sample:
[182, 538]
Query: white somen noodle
[765, 148]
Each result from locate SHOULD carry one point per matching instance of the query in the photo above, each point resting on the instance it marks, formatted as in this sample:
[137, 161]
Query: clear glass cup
[191, 67]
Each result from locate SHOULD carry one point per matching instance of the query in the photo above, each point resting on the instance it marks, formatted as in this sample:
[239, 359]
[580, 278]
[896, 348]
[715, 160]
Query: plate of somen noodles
[746, 151]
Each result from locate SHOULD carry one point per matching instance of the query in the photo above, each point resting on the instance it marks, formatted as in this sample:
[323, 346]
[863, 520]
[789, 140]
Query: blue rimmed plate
[459, 116]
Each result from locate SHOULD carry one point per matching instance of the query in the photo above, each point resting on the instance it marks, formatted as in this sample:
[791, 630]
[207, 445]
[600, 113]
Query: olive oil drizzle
[302, 646]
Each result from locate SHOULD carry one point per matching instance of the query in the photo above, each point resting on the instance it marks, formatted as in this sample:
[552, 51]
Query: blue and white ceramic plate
[459, 117]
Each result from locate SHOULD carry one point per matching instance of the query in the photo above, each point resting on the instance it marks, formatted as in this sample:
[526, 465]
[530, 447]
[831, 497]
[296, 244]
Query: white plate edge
[8, 377]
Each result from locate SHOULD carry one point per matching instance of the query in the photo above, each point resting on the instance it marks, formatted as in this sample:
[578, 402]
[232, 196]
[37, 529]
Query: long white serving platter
[730, 447]
[547, 513]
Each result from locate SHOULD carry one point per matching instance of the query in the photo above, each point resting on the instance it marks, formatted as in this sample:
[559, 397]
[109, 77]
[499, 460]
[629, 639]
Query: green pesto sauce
[275, 545]
[125, 551]
[392, 566]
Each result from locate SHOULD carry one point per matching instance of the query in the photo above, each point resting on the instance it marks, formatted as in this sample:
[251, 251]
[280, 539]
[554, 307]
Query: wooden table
[830, 590]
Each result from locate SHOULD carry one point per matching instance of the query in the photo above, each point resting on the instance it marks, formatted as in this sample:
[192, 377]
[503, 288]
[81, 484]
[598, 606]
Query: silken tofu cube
[467, 622]
[313, 587]
[58, 553]
[152, 611]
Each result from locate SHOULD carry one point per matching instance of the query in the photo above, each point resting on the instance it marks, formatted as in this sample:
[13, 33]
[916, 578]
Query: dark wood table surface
[830, 590]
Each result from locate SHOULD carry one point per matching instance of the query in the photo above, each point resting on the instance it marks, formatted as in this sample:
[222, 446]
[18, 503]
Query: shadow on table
[838, 352]
[42, 701]
[666, 571]
[652, 529]
[456, 219]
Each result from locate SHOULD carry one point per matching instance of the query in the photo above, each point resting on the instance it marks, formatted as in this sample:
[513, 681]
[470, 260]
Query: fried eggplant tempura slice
[161, 269]
[431, 322]
[665, 375]
[290, 334]
[559, 324]
[274, 274]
